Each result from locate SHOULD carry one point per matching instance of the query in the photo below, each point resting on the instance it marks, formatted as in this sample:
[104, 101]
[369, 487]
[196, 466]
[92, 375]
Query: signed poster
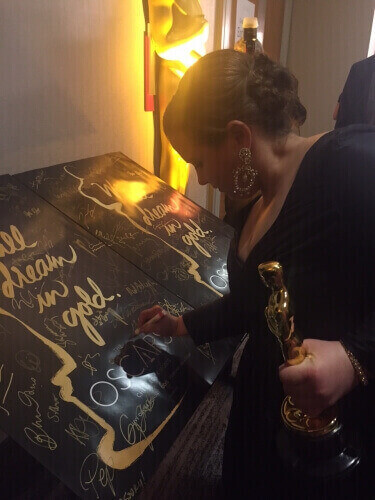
[173, 240]
[93, 404]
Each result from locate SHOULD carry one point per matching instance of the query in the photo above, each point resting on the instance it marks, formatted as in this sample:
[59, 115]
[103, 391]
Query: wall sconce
[176, 32]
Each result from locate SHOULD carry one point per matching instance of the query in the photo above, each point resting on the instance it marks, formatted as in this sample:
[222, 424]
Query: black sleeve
[358, 262]
[348, 102]
[215, 320]
[358, 96]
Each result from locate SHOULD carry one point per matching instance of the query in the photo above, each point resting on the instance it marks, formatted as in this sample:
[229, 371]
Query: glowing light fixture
[187, 52]
[179, 33]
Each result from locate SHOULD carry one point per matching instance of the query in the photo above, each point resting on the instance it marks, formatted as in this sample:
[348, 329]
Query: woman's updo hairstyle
[227, 85]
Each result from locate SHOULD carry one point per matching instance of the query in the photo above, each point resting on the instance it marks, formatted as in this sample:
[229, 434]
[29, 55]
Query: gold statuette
[281, 323]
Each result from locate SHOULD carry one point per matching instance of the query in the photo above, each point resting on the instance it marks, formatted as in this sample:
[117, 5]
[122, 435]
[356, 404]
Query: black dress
[324, 237]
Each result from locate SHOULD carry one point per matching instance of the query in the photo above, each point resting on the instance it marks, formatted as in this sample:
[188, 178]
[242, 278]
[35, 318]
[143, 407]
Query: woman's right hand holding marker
[166, 325]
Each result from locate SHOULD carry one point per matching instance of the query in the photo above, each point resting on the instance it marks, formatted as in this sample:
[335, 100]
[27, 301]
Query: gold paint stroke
[117, 207]
[116, 459]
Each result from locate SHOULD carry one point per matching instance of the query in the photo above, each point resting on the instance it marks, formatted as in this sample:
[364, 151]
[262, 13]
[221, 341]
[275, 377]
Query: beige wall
[273, 28]
[327, 37]
[71, 82]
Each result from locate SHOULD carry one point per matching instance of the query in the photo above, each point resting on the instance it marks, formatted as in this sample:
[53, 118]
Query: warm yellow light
[179, 32]
[188, 51]
[179, 58]
[132, 192]
[179, 171]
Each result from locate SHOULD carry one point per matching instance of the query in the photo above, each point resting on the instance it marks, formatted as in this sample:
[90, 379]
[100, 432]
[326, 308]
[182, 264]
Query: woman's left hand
[324, 377]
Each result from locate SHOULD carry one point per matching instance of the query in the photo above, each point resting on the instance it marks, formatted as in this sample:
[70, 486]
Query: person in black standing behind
[233, 117]
[357, 101]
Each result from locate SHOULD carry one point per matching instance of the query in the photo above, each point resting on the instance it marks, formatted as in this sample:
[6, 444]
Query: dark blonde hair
[227, 85]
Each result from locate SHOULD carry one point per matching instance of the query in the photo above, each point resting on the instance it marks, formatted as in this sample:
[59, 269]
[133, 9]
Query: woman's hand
[166, 326]
[324, 377]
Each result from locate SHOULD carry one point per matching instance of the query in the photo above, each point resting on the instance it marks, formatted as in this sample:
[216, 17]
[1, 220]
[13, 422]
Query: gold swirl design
[117, 207]
[298, 421]
[112, 458]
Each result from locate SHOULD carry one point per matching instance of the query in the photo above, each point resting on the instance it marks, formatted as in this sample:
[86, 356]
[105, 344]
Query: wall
[327, 37]
[273, 28]
[71, 82]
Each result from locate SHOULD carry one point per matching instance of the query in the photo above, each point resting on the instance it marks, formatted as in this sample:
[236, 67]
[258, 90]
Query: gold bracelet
[359, 371]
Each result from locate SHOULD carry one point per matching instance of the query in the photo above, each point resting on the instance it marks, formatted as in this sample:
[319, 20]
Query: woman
[232, 118]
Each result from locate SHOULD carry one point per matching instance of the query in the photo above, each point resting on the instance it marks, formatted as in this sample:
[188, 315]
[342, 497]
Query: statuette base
[324, 457]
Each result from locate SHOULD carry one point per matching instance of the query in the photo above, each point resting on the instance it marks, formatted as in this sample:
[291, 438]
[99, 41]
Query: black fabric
[324, 237]
[357, 101]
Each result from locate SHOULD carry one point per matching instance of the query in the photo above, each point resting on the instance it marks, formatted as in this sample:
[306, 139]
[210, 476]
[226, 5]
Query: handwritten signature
[35, 432]
[175, 309]
[139, 286]
[135, 430]
[54, 410]
[87, 364]
[132, 492]
[94, 475]
[78, 430]
[31, 212]
[28, 360]
[58, 332]
[25, 299]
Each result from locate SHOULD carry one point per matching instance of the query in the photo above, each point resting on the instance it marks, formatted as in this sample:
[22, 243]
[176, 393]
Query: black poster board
[173, 240]
[170, 238]
[99, 420]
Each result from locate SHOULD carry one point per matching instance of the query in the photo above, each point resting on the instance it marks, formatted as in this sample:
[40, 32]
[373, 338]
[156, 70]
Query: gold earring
[244, 175]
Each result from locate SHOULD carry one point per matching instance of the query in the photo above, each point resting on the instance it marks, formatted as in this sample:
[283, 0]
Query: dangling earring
[244, 175]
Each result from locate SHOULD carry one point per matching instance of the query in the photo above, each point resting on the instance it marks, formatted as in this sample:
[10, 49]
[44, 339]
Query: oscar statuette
[313, 446]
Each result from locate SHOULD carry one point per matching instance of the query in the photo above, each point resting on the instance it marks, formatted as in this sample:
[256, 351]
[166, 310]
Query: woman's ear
[239, 134]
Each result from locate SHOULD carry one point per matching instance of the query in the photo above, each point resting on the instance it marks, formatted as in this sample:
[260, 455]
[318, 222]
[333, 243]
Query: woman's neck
[278, 161]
